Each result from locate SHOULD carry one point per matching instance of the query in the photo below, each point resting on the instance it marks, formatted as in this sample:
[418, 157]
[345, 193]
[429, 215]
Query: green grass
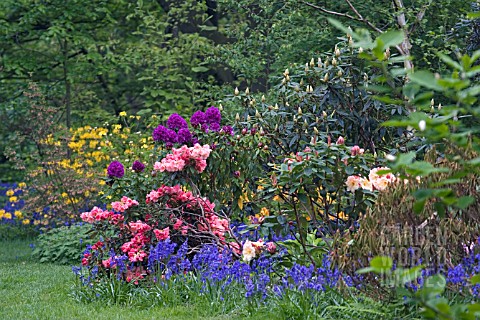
[31, 290]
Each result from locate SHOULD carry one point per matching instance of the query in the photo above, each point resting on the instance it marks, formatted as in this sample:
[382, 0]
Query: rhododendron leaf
[475, 279]
[464, 202]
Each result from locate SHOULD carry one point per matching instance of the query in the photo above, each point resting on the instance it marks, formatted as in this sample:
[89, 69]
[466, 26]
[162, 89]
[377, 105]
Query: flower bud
[306, 67]
[257, 114]
[334, 62]
[390, 157]
[286, 73]
[360, 50]
[236, 92]
[340, 140]
[275, 107]
[263, 98]
[312, 63]
[301, 82]
[237, 117]
[262, 133]
[315, 130]
[432, 102]
[236, 174]
[350, 41]
[327, 63]
[305, 124]
[220, 107]
[300, 111]
[337, 52]
[319, 62]
[439, 106]
[325, 78]
[324, 114]
[422, 125]
[244, 131]
[287, 78]
[339, 73]
[247, 91]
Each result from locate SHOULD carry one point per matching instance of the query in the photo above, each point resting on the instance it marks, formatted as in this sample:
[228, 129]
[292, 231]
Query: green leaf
[449, 61]
[391, 38]
[381, 264]
[426, 79]
[464, 202]
[200, 69]
[475, 279]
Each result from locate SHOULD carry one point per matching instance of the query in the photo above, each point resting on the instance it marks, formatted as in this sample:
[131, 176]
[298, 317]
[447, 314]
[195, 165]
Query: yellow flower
[10, 193]
[123, 114]
[13, 199]
[7, 215]
[18, 214]
[26, 221]
[36, 222]
[264, 212]
[22, 185]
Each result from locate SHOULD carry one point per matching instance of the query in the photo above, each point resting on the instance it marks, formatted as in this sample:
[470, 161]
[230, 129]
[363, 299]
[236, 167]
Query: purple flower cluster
[208, 120]
[115, 170]
[176, 122]
[169, 136]
[198, 118]
[137, 166]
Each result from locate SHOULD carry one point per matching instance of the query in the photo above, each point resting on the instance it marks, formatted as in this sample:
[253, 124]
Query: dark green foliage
[17, 232]
[63, 245]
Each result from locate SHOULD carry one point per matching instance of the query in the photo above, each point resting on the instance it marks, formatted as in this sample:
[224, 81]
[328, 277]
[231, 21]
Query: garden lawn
[31, 290]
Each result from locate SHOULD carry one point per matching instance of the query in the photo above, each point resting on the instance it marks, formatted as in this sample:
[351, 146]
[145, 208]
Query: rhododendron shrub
[133, 228]
[315, 188]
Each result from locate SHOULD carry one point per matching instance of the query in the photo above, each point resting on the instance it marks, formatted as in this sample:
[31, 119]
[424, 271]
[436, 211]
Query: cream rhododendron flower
[248, 251]
[353, 183]
[366, 184]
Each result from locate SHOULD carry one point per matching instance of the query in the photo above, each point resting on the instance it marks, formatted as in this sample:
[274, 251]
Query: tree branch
[358, 17]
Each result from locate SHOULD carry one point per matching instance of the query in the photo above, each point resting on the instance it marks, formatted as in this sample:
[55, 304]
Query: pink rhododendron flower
[181, 157]
[340, 140]
[271, 247]
[123, 205]
[96, 214]
[162, 234]
[178, 224]
[139, 227]
[356, 150]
